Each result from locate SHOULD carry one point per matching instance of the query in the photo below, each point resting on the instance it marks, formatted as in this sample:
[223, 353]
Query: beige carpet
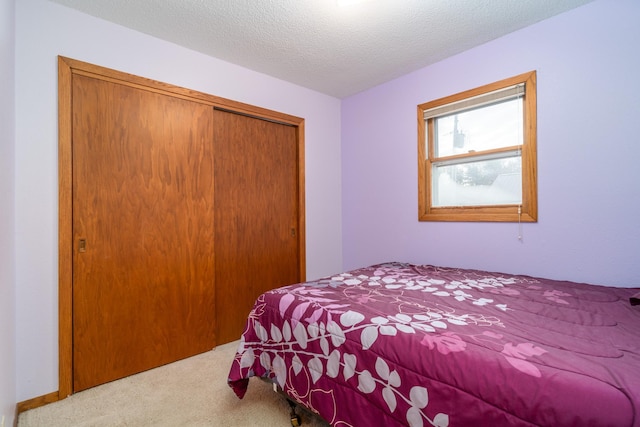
[190, 392]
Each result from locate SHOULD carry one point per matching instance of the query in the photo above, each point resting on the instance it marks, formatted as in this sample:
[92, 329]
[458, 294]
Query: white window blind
[503, 94]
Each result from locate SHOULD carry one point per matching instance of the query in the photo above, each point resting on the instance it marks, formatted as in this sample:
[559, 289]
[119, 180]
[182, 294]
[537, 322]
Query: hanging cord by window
[520, 223]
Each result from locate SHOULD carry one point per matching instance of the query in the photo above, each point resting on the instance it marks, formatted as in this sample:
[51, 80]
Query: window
[477, 154]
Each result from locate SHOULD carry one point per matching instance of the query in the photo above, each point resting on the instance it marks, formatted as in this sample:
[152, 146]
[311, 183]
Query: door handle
[82, 245]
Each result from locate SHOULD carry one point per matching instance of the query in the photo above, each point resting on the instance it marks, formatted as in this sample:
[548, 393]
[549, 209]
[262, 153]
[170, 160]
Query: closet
[256, 214]
[177, 209]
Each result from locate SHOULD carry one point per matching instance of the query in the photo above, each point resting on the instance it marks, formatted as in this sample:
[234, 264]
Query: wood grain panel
[257, 214]
[143, 292]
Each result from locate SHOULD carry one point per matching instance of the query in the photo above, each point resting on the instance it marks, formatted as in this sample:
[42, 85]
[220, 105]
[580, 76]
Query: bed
[399, 344]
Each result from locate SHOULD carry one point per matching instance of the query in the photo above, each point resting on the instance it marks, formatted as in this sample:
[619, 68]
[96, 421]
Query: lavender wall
[588, 151]
[7, 222]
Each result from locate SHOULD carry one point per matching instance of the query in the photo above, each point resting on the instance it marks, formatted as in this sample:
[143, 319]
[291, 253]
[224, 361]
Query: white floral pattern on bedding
[400, 343]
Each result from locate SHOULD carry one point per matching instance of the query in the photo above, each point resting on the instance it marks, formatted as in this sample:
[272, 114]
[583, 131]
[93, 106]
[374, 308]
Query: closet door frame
[67, 68]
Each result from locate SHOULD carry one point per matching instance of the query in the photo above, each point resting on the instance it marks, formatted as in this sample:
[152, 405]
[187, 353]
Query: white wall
[45, 30]
[7, 204]
[588, 151]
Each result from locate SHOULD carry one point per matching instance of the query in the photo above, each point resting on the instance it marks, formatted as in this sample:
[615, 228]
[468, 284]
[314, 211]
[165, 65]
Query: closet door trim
[67, 68]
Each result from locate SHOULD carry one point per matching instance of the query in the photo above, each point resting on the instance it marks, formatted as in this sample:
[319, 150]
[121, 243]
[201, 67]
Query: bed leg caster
[295, 418]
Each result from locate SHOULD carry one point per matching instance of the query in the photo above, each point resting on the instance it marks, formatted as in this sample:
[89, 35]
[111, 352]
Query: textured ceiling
[318, 44]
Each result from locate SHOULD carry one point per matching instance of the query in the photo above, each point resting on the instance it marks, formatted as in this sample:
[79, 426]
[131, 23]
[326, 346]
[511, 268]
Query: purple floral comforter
[414, 345]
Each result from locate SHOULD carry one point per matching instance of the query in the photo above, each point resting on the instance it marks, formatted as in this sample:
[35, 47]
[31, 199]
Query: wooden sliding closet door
[143, 229]
[257, 214]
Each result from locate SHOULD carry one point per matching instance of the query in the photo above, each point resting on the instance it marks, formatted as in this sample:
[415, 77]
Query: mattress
[399, 344]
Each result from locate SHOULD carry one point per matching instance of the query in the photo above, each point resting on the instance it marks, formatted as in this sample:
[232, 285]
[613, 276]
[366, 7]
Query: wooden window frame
[527, 211]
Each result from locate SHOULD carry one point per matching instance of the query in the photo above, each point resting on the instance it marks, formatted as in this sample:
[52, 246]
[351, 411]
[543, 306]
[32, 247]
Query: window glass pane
[480, 183]
[483, 128]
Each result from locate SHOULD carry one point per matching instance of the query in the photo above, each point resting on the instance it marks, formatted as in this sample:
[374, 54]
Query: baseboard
[36, 402]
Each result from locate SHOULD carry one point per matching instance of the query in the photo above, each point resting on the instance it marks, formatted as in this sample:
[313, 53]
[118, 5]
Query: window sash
[460, 159]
